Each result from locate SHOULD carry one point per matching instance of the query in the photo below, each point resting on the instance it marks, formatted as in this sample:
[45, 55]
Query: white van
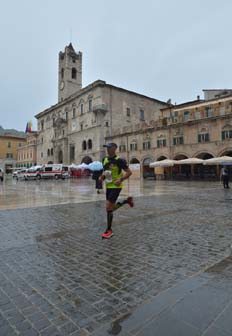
[56, 171]
[32, 173]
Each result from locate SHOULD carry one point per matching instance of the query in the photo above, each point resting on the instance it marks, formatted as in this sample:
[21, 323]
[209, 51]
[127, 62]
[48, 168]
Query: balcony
[100, 108]
[175, 120]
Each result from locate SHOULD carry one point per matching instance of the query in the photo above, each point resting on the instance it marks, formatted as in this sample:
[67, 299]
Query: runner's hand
[118, 182]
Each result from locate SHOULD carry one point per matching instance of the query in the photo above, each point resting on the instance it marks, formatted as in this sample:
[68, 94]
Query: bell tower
[70, 72]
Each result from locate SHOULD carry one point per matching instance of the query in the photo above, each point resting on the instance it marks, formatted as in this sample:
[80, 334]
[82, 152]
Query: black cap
[110, 145]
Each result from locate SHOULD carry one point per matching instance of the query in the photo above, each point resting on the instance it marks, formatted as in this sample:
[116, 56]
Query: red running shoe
[130, 201]
[108, 234]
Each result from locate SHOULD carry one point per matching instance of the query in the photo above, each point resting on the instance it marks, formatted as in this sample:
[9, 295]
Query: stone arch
[227, 126]
[202, 171]
[134, 160]
[203, 129]
[146, 166]
[181, 170]
[204, 155]
[81, 101]
[226, 152]
[147, 157]
[161, 158]
[180, 156]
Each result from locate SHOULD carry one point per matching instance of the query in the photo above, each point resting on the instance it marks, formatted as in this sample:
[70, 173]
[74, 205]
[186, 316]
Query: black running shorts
[112, 194]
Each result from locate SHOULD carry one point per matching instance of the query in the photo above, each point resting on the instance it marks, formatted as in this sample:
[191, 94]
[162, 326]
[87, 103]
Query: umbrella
[163, 163]
[222, 160]
[189, 161]
[95, 166]
[82, 166]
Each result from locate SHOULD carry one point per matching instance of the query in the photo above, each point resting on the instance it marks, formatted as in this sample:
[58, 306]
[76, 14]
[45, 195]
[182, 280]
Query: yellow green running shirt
[115, 165]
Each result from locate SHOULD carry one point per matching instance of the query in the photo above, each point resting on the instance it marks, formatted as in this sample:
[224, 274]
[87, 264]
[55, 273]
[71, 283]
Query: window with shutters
[161, 143]
[178, 140]
[227, 134]
[122, 148]
[146, 145]
[141, 115]
[133, 146]
[203, 137]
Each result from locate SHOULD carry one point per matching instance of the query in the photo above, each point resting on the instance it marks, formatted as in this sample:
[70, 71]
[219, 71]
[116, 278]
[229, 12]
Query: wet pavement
[165, 272]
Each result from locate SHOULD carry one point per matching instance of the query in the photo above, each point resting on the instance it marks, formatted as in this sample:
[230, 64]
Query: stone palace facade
[78, 125]
[145, 129]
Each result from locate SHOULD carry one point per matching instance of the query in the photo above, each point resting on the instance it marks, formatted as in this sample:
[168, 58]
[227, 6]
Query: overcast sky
[161, 48]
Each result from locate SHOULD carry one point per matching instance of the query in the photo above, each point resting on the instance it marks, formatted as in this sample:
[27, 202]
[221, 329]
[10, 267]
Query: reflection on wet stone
[58, 276]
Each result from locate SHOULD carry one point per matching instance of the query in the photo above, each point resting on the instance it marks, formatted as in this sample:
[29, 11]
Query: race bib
[108, 176]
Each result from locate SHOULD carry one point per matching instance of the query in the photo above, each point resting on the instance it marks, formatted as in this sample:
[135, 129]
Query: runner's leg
[111, 198]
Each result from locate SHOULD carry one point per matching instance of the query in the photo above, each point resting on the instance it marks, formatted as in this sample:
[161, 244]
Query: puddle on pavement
[116, 327]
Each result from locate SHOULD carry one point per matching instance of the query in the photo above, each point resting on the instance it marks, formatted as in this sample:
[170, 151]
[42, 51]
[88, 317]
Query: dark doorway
[60, 156]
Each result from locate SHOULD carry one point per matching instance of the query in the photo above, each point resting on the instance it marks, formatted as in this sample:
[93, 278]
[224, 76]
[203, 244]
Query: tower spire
[70, 72]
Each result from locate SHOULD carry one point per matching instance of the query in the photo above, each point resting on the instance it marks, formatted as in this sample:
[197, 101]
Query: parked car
[20, 174]
[16, 171]
[1, 174]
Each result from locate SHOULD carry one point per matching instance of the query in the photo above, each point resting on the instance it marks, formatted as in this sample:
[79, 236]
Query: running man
[113, 175]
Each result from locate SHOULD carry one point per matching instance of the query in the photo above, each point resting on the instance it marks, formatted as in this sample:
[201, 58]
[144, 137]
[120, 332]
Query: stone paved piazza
[58, 277]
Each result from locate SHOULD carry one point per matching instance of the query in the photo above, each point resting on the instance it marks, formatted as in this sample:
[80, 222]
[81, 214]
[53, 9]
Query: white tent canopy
[189, 161]
[80, 166]
[163, 163]
[219, 160]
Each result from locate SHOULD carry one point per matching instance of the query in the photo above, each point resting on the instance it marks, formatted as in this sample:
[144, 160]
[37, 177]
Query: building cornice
[98, 83]
[189, 105]
[167, 127]
[9, 136]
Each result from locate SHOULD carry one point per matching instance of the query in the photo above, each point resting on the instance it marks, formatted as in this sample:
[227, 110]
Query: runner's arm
[127, 174]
